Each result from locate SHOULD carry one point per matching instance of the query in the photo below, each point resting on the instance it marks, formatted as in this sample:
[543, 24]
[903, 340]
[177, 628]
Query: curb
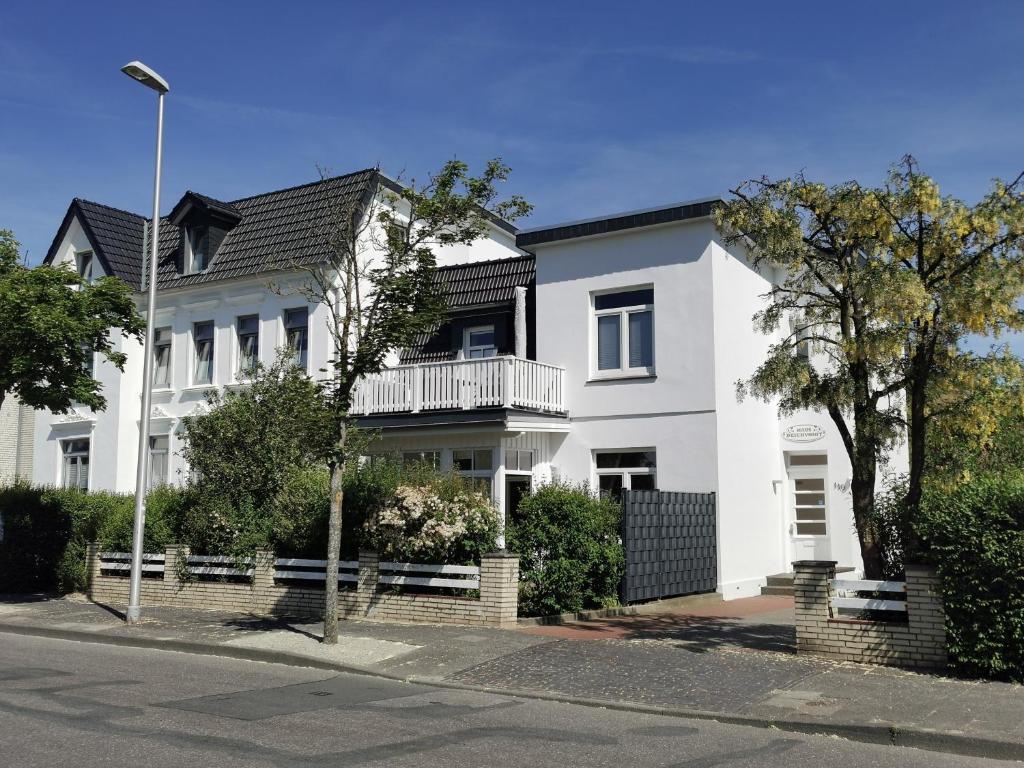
[885, 734]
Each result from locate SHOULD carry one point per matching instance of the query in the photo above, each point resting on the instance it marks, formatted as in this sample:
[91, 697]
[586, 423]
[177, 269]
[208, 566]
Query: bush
[571, 555]
[975, 537]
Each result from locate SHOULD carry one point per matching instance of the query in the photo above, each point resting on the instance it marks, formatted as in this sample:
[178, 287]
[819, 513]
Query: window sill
[622, 376]
[199, 387]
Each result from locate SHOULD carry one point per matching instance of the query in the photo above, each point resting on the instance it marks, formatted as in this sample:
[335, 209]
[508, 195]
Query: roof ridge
[299, 186]
[523, 257]
[110, 207]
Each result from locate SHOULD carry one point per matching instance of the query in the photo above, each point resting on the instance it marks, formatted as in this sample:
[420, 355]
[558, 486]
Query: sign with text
[803, 433]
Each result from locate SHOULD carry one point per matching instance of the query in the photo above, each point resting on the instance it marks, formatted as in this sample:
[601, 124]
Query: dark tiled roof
[617, 223]
[485, 282]
[225, 210]
[277, 230]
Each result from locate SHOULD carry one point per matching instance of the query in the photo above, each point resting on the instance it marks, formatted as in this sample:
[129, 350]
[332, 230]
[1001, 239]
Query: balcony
[493, 382]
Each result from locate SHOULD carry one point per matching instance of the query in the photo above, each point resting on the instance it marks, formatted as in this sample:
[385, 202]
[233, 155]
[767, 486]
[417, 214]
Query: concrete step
[777, 590]
[782, 583]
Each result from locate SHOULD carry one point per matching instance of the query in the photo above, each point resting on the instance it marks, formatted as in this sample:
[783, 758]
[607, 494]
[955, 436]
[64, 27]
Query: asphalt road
[76, 704]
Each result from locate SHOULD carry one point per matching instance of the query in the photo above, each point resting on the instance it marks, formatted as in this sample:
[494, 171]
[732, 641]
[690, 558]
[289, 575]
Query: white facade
[667, 400]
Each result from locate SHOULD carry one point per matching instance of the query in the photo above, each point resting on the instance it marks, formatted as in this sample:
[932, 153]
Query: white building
[604, 351]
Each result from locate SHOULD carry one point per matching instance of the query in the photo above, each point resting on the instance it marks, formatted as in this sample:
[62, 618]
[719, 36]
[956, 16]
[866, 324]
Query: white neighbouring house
[604, 351]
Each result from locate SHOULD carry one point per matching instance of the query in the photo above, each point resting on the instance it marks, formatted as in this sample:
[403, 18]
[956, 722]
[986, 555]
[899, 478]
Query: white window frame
[468, 349]
[626, 473]
[170, 358]
[489, 474]
[189, 255]
[194, 355]
[518, 468]
[428, 455]
[284, 332]
[167, 461]
[241, 373]
[88, 274]
[624, 370]
[65, 455]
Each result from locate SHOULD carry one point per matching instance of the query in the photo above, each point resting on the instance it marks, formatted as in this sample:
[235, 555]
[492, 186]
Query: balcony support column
[506, 381]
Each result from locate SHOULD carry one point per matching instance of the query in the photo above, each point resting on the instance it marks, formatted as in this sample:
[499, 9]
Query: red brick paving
[700, 616]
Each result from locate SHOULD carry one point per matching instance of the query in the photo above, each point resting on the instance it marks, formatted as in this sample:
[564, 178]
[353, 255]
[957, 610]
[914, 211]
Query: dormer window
[197, 249]
[84, 265]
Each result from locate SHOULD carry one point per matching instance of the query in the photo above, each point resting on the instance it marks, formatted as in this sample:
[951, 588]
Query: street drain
[320, 693]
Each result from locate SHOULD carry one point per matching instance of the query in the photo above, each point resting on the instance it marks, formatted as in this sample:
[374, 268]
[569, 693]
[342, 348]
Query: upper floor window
[248, 329]
[75, 464]
[296, 330]
[89, 361]
[158, 454]
[84, 264]
[162, 357]
[197, 249]
[478, 342]
[625, 470]
[624, 332]
[202, 339]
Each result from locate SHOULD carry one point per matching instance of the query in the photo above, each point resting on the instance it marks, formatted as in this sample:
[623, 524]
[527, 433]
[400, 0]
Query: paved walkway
[733, 660]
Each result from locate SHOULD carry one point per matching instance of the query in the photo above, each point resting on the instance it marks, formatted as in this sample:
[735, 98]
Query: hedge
[571, 555]
[974, 535]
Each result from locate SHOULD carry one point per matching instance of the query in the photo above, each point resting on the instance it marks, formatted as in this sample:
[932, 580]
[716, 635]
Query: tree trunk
[862, 489]
[334, 541]
[916, 433]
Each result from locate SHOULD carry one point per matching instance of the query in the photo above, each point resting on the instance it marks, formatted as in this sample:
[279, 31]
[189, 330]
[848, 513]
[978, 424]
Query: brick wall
[17, 423]
[497, 605]
[920, 642]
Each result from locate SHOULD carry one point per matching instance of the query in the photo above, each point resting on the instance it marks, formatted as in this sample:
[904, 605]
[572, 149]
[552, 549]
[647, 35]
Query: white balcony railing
[508, 382]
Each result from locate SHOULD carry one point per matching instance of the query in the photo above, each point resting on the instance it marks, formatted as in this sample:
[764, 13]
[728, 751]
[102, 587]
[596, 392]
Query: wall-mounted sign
[803, 433]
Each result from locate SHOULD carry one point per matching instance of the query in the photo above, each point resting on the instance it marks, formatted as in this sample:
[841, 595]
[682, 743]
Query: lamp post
[143, 74]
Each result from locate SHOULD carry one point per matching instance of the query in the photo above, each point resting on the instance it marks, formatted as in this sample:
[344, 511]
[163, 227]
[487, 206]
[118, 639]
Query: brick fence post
[263, 597]
[172, 554]
[92, 565]
[499, 588]
[811, 602]
[926, 618]
[366, 586]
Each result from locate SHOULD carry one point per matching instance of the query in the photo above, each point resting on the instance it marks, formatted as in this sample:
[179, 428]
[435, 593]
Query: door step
[782, 583]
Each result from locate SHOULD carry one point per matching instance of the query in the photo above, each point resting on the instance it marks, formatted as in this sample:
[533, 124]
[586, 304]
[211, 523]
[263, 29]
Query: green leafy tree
[378, 286]
[249, 441]
[884, 283]
[51, 325]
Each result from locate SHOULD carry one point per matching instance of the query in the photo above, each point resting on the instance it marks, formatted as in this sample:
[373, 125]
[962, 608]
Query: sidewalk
[728, 661]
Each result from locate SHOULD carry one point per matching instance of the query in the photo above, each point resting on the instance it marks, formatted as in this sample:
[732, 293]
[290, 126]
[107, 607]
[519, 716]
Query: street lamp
[139, 71]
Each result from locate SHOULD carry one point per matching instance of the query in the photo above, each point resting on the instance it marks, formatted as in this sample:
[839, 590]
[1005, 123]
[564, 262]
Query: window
[158, 453]
[809, 510]
[75, 464]
[197, 247]
[624, 332]
[89, 360]
[477, 465]
[202, 339]
[248, 330]
[518, 460]
[162, 357]
[296, 330]
[84, 262]
[478, 342]
[625, 470]
[425, 458]
[802, 332]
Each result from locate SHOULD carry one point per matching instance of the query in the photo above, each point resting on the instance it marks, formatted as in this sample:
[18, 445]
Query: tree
[51, 325]
[278, 409]
[884, 282]
[377, 284]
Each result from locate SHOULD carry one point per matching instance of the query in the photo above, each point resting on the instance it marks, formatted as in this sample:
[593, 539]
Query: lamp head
[148, 77]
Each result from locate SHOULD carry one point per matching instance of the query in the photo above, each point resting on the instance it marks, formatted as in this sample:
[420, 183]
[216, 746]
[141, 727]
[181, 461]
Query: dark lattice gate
[669, 538]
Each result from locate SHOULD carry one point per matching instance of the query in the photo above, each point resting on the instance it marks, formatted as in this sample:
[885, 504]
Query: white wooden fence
[299, 569]
[509, 382]
[842, 589]
[468, 576]
[218, 565]
[120, 563]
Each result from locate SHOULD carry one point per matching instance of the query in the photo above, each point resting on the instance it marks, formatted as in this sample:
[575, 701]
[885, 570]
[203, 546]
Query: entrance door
[808, 520]
[516, 487]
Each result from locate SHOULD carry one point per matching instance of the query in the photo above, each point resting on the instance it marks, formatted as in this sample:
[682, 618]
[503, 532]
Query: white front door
[808, 514]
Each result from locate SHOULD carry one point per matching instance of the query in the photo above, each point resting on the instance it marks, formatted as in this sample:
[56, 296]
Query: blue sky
[597, 106]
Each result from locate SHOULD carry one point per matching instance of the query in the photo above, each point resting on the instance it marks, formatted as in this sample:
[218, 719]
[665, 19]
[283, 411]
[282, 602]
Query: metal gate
[669, 538]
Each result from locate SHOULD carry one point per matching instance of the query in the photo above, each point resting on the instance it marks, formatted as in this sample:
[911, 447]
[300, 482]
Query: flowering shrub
[442, 521]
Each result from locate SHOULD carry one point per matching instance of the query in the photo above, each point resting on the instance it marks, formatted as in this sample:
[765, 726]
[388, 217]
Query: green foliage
[243, 448]
[45, 533]
[975, 537]
[571, 556]
[51, 324]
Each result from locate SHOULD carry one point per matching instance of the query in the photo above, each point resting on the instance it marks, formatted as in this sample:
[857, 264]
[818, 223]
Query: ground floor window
[619, 471]
[518, 460]
[477, 465]
[430, 459]
[158, 456]
[75, 464]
